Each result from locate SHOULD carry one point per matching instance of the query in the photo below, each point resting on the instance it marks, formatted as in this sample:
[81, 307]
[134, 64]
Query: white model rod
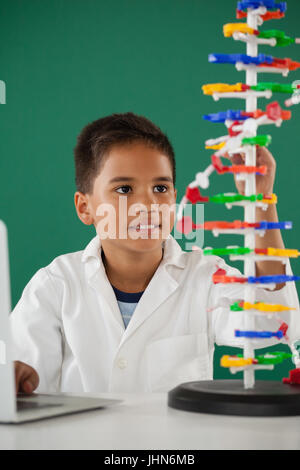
[249, 210]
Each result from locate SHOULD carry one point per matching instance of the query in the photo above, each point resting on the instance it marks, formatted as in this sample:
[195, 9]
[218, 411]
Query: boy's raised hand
[264, 183]
[27, 379]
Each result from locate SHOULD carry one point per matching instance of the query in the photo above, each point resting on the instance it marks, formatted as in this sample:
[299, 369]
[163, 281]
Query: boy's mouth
[145, 227]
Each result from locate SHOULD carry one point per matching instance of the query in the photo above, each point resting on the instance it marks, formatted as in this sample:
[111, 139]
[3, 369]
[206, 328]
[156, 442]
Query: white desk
[146, 422]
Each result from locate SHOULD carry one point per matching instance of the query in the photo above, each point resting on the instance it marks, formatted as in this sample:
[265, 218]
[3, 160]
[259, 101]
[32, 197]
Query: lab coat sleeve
[36, 330]
[223, 321]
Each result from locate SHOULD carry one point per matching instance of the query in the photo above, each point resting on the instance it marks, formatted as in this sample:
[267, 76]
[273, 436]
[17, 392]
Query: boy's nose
[146, 201]
[149, 217]
[147, 213]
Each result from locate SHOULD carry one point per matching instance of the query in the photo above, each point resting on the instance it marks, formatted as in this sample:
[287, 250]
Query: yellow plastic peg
[230, 28]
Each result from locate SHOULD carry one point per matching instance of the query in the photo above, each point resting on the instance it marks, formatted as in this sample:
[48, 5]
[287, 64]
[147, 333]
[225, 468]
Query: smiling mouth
[140, 227]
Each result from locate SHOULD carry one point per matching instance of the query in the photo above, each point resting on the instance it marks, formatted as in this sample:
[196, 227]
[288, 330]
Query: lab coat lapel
[97, 279]
[161, 286]
[107, 298]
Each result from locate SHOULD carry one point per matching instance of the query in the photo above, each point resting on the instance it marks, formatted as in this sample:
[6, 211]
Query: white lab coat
[67, 324]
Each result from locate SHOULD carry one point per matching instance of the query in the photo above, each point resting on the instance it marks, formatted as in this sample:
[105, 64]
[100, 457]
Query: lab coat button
[122, 363]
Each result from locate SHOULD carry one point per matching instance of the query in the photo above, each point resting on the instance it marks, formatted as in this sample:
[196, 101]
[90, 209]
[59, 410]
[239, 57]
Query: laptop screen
[7, 389]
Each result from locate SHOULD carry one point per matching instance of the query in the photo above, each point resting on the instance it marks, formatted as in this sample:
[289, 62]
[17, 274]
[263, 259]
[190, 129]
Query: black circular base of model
[229, 397]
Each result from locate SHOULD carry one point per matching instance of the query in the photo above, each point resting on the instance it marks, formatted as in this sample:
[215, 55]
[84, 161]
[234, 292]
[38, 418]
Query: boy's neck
[130, 272]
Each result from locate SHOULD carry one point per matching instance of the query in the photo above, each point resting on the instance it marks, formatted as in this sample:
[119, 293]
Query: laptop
[23, 407]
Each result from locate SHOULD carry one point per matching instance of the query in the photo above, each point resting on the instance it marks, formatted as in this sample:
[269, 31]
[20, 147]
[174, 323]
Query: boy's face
[133, 204]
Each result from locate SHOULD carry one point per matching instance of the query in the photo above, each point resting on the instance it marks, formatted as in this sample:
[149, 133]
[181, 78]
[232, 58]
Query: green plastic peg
[223, 198]
[235, 307]
[271, 358]
[280, 36]
[276, 87]
[261, 140]
[227, 251]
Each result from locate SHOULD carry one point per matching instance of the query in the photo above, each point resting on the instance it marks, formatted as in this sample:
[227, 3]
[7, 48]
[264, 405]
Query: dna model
[242, 138]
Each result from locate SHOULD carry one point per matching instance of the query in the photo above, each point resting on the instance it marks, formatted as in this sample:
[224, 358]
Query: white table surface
[146, 422]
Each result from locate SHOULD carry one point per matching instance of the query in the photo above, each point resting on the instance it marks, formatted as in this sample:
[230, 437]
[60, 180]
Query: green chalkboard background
[68, 62]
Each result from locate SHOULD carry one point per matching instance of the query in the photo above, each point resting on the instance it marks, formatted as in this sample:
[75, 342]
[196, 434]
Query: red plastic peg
[269, 15]
[231, 132]
[273, 111]
[294, 377]
[186, 225]
[193, 195]
[284, 327]
[218, 165]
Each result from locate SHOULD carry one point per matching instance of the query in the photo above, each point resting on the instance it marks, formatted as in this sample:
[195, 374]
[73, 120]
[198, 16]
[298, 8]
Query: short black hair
[96, 139]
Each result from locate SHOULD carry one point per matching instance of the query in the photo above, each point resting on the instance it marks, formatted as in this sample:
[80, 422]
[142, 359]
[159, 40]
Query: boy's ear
[82, 208]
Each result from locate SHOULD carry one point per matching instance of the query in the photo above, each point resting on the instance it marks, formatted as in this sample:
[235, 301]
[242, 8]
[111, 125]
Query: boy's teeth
[145, 227]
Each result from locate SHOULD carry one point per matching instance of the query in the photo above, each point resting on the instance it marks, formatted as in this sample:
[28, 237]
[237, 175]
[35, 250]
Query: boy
[71, 327]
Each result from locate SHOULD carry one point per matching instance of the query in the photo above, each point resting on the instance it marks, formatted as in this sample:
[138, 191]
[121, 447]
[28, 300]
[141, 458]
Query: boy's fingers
[29, 381]
[237, 159]
[26, 378]
[21, 373]
[18, 373]
[27, 386]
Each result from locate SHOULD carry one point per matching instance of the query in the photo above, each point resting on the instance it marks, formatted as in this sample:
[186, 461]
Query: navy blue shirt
[127, 302]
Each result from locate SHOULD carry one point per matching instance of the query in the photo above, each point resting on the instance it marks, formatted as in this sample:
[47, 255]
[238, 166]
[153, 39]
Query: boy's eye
[123, 187]
[161, 188]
